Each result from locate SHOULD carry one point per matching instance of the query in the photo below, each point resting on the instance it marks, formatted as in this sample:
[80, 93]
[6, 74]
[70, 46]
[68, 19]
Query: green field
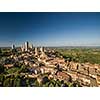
[81, 55]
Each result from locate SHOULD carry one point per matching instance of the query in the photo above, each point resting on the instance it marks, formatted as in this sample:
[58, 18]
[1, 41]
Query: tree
[1, 79]
[0, 51]
[17, 82]
[36, 83]
[23, 69]
[13, 70]
[6, 82]
[1, 68]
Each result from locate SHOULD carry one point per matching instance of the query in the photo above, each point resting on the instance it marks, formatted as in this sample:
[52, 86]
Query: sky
[50, 28]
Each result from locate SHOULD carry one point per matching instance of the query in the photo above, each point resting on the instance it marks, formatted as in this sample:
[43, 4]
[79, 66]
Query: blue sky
[50, 29]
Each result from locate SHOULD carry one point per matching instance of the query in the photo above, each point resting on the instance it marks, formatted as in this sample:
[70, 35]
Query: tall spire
[26, 46]
[36, 51]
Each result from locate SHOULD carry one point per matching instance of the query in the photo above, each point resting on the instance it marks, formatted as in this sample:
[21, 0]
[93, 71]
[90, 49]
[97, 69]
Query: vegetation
[20, 81]
[17, 76]
[81, 55]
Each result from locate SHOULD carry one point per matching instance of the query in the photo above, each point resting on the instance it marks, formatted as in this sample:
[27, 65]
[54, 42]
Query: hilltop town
[46, 67]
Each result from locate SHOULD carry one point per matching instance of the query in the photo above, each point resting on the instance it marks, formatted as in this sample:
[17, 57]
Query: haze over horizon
[50, 29]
